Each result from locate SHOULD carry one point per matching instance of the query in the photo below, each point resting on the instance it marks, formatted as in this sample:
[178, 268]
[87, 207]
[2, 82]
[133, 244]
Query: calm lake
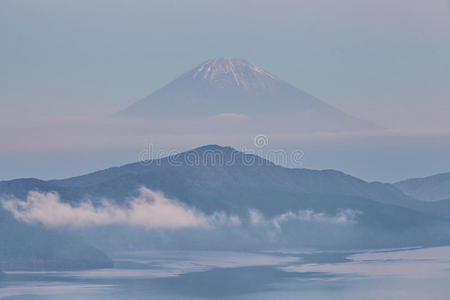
[414, 273]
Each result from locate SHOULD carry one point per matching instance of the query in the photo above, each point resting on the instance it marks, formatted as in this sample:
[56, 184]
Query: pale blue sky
[387, 61]
[368, 57]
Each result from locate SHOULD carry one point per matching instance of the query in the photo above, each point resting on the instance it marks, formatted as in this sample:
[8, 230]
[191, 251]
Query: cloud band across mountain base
[152, 210]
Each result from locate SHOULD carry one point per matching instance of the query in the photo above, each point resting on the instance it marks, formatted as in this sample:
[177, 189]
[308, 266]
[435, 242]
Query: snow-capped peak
[231, 71]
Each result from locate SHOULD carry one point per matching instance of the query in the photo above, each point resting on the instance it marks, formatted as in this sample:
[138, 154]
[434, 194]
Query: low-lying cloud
[343, 216]
[150, 210]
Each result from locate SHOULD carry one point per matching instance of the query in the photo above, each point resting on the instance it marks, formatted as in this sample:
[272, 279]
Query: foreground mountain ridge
[214, 179]
[220, 157]
[298, 179]
[237, 168]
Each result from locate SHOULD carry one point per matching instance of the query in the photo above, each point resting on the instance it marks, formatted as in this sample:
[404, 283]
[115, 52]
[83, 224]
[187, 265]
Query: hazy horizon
[69, 65]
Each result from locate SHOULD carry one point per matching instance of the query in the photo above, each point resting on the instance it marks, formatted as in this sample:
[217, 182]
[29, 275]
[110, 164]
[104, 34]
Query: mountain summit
[221, 181]
[232, 73]
[229, 86]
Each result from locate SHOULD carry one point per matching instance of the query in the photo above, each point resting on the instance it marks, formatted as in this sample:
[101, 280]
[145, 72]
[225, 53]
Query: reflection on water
[388, 274]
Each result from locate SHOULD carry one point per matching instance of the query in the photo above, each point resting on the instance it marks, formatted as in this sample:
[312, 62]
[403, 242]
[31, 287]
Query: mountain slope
[208, 167]
[236, 87]
[27, 247]
[216, 179]
[439, 208]
[432, 188]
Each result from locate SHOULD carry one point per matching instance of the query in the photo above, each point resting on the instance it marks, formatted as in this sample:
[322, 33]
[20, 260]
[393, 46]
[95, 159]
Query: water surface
[285, 274]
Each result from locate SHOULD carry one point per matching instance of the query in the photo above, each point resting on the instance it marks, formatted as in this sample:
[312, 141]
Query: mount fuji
[237, 89]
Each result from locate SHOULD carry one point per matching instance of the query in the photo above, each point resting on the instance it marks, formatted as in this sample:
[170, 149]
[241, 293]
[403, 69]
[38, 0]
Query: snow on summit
[232, 71]
[231, 89]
